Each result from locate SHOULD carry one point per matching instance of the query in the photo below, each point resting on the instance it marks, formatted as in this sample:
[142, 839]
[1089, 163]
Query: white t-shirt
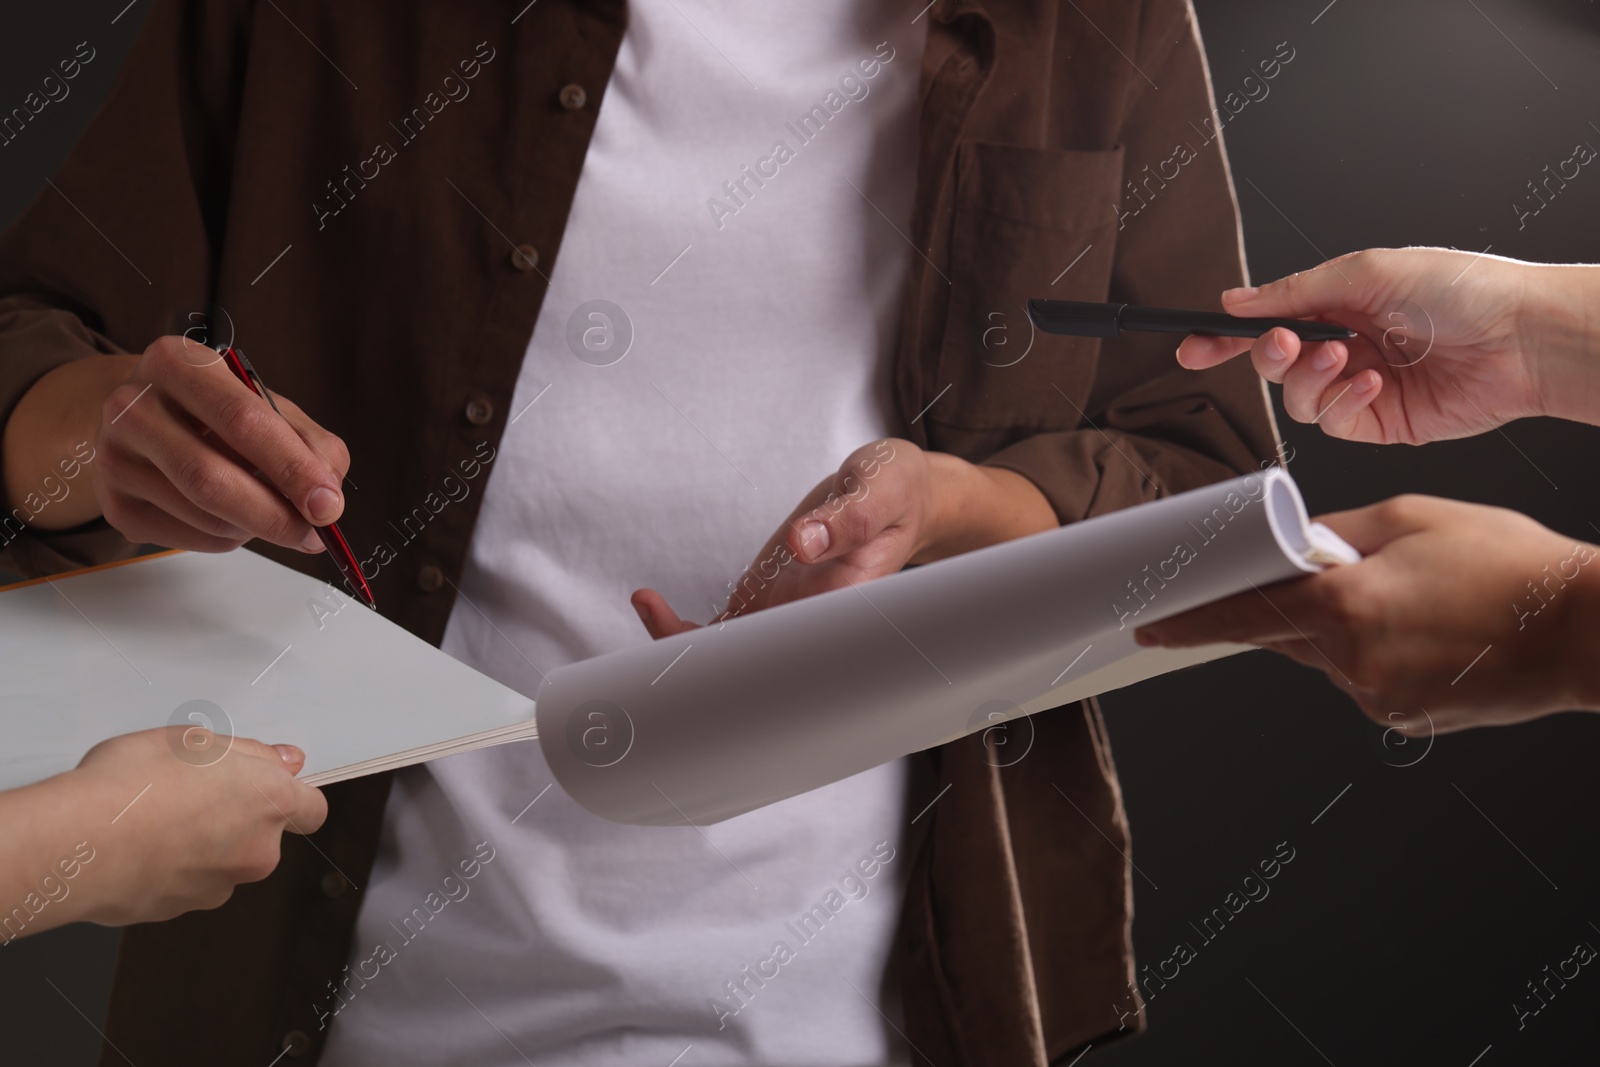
[759, 291]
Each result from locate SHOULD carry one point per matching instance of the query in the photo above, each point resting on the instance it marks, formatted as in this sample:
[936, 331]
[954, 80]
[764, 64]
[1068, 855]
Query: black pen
[1112, 320]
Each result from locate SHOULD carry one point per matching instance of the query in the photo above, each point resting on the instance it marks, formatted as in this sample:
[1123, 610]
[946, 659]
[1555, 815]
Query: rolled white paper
[718, 721]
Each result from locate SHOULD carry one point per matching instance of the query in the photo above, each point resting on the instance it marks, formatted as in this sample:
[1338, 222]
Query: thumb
[854, 512]
[828, 532]
[811, 537]
[288, 756]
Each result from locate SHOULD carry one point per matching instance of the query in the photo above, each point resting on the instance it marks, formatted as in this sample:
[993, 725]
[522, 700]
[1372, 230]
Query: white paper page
[712, 723]
[124, 648]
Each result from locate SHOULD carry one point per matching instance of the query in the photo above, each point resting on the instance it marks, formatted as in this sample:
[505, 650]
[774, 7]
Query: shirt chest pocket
[1029, 223]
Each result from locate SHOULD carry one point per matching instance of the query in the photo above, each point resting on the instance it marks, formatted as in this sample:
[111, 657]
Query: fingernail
[1274, 349]
[639, 611]
[1324, 359]
[323, 504]
[1234, 296]
[1144, 637]
[1364, 383]
[312, 543]
[1181, 363]
[814, 540]
[290, 755]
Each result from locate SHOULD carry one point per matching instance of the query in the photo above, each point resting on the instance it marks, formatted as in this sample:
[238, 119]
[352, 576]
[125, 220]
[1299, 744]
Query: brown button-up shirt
[375, 193]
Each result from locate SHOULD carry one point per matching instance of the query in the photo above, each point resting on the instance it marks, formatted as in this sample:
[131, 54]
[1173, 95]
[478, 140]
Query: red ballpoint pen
[332, 539]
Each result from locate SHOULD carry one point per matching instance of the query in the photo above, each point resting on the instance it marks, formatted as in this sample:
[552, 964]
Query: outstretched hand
[1443, 344]
[1459, 615]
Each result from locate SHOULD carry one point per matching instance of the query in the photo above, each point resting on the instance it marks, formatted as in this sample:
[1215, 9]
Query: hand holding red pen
[177, 447]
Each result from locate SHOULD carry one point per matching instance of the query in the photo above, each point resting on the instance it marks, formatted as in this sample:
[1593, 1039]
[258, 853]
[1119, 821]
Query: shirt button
[295, 1043]
[524, 257]
[573, 97]
[479, 411]
[334, 885]
[430, 579]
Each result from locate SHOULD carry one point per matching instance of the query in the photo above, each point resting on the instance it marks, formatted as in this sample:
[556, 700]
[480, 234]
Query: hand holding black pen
[1448, 344]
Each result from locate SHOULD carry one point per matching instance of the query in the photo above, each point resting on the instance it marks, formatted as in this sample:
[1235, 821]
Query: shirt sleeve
[1151, 428]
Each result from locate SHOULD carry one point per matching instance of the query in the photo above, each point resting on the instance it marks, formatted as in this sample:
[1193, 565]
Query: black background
[1441, 879]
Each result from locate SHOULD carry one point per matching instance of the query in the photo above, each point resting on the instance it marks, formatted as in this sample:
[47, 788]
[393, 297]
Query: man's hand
[170, 826]
[177, 447]
[890, 504]
[177, 441]
[1460, 615]
[1448, 344]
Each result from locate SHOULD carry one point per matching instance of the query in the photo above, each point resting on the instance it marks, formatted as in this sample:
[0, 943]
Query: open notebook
[698, 727]
[238, 644]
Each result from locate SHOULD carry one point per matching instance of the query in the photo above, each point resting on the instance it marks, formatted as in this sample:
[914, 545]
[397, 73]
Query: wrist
[1560, 338]
[46, 856]
[948, 486]
[971, 506]
[48, 441]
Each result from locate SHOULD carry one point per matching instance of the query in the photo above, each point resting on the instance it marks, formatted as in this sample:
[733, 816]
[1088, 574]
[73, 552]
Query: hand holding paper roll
[889, 505]
[1460, 615]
